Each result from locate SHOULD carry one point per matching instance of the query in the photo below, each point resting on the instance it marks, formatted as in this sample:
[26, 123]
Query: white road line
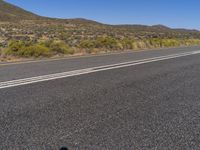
[31, 80]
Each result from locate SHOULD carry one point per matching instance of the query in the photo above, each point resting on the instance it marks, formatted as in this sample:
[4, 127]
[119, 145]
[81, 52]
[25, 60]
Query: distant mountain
[81, 35]
[19, 24]
[161, 27]
[10, 12]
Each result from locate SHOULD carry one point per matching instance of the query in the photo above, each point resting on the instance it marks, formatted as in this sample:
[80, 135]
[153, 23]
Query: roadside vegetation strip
[42, 78]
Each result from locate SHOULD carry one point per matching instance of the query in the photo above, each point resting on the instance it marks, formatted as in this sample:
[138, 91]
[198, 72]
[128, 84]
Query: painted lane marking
[43, 78]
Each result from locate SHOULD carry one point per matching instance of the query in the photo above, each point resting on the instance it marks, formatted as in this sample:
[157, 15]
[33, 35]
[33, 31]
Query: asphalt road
[24, 70]
[148, 106]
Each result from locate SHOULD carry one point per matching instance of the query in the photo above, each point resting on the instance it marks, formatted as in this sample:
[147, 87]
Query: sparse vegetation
[43, 49]
[23, 34]
[51, 48]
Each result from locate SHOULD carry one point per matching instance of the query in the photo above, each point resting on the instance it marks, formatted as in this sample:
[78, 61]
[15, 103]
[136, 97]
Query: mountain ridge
[9, 12]
[25, 34]
[12, 13]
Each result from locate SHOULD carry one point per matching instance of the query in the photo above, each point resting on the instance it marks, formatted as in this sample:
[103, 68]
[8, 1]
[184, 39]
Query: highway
[134, 100]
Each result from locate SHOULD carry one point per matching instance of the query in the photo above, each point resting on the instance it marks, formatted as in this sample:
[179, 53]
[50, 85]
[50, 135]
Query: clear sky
[173, 13]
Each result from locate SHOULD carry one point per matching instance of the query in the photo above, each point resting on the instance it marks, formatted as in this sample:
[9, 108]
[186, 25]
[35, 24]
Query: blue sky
[173, 13]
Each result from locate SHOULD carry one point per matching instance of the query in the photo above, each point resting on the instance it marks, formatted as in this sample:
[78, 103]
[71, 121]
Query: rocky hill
[17, 24]
[10, 12]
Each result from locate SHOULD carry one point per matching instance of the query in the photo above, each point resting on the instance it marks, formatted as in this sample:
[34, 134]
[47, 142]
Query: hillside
[10, 12]
[84, 36]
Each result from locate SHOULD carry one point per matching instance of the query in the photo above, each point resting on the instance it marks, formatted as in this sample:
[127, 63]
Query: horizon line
[102, 22]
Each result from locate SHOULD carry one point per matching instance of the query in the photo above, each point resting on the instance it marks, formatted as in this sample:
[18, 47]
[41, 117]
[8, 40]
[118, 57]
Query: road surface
[143, 100]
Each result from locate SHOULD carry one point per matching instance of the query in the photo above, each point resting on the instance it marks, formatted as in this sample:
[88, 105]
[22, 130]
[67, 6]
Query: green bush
[104, 43]
[60, 48]
[170, 43]
[107, 42]
[127, 43]
[14, 47]
[87, 44]
[23, 49]
[43, 49]
[35, 51]
[50, 47]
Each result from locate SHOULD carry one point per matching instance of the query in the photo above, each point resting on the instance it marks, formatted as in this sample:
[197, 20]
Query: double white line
[31, 80]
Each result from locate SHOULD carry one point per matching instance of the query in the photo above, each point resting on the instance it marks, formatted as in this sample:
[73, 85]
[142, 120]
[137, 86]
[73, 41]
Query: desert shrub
[170, 42]
[1, 51]
[58, 47]
[36, 50]
[23, 49]
[98, 44]
[103, 43]
[127, 43]
[43, 49]
[141, 45]
[14, 47]
[189, 42]
[155, 42]
[106, 42]
[87, 44]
